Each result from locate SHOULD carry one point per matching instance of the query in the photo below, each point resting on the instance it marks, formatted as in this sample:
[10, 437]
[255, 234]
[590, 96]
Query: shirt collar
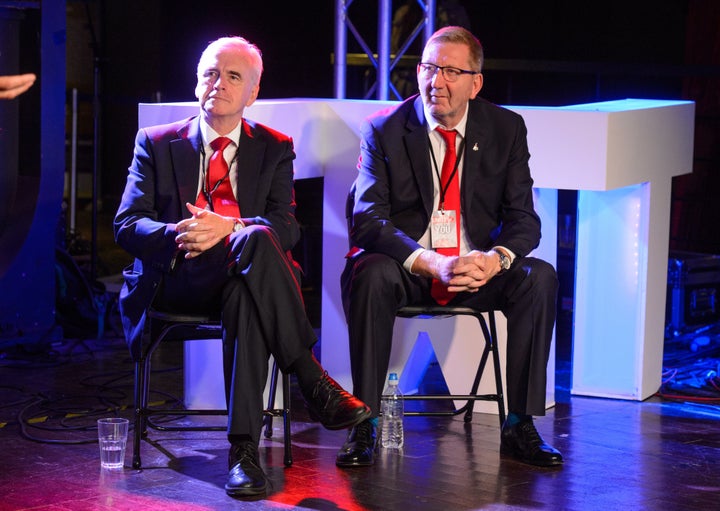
[432, 123]
[209, 134]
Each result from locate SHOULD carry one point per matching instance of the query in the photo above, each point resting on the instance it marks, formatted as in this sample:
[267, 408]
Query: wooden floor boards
[625, 455]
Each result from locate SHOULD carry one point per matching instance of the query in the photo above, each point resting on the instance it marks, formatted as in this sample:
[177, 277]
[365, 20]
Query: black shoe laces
[328, 386]
[242, 451]
[361, 435]
[365, 433]
[530, 434]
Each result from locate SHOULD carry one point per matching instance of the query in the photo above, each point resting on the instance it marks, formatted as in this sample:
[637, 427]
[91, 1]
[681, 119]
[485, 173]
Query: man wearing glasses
[443, 213]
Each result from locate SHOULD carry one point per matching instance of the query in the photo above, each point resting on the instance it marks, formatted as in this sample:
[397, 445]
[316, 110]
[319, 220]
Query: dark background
[548, 53]
[538, 53]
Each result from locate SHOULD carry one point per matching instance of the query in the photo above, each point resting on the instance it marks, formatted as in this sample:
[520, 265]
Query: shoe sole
[246, 492]
[351, 464]
[354, 464]
[506, 451]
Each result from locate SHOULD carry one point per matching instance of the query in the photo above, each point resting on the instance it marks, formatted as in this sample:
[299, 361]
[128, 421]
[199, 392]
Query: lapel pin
[475, 147]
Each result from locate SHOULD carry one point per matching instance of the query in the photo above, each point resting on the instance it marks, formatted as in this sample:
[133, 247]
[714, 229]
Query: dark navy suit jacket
[163, 176]
[394, 187]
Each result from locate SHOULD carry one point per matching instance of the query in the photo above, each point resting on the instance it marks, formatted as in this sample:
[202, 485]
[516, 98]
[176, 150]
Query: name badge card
[443, 229]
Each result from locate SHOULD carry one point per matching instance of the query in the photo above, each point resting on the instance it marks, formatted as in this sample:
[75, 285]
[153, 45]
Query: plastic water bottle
[393, 409]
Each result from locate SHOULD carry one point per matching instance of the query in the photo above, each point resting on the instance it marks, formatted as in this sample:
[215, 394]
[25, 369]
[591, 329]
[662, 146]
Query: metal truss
[382, 60]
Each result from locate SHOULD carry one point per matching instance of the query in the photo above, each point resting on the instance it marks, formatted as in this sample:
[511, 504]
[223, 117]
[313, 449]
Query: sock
[308, 370]
[515, 418]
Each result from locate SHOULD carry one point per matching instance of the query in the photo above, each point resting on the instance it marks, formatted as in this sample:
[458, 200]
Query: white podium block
[203, 376]
[621, 156]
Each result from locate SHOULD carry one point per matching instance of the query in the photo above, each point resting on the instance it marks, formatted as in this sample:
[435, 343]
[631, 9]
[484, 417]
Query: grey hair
[239, 43]
[460, 35]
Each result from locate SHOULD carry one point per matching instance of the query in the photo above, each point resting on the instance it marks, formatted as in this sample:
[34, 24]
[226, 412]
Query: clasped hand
[202, 231]
[467, 273]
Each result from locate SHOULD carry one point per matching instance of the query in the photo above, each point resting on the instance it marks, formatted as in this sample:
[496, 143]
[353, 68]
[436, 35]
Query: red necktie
[217, 182]
[451, 202]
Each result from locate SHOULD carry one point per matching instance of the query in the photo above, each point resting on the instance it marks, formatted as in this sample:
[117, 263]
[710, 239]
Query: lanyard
[459, 155]
[207, 193]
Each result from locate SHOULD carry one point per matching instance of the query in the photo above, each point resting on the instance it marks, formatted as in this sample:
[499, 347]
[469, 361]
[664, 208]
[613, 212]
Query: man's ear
[477, 85]
[253, 95]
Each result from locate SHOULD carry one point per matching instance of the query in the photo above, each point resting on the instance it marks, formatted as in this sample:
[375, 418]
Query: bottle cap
[393, 377]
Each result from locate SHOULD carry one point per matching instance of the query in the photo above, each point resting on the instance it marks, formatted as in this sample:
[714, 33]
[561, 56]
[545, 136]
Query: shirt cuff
[509, 252]
[407, 264]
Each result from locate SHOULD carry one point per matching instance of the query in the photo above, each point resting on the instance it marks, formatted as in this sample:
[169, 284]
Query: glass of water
[112, 437]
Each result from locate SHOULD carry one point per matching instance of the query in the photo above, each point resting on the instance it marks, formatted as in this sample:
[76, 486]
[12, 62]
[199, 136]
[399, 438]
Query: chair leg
[268, 419]
[272, 393]
[476, 382]
[481, 366]
[286, 419]
[141, 392]
[490, 336]
[496, 367]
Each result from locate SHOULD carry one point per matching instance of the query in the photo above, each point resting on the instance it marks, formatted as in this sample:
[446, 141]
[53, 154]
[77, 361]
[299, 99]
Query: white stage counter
[620, 155]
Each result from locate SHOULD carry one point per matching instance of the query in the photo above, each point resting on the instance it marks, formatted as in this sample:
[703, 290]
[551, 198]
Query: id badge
[443, 229]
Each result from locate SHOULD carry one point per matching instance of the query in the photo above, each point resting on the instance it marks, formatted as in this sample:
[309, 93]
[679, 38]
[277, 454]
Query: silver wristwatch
[504, 261]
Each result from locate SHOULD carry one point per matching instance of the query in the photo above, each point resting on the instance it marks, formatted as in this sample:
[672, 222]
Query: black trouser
[255, 285]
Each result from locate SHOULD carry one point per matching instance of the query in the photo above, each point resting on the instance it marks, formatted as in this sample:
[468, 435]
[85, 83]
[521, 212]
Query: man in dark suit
[210, 228]
[415, 242]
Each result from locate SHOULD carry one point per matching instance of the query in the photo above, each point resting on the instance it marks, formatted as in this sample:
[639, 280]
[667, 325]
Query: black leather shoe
[359, 448]
[333, 406]
[523, 442]
[246, 478]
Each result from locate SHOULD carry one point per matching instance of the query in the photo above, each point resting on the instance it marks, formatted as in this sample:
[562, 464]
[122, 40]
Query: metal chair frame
[490, 337]
[187, 327]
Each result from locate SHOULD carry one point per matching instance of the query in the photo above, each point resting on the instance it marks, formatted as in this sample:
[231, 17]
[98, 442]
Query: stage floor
[657, 454]
[619, 454]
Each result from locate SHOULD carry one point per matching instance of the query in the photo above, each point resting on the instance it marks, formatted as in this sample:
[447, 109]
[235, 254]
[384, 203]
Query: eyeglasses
[451, 74]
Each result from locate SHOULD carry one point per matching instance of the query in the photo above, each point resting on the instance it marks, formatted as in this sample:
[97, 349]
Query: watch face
[504, 262]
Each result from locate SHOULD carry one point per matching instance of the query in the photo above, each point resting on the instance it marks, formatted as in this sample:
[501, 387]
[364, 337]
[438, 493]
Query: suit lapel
[475, 140]
[416, 141]
[250, 157]
[185, 154]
